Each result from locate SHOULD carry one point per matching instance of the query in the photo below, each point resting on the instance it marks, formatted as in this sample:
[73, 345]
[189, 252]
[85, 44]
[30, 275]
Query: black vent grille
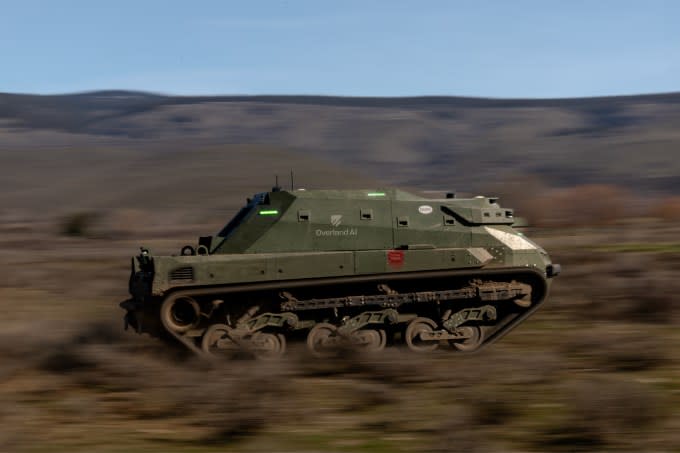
[182, 274]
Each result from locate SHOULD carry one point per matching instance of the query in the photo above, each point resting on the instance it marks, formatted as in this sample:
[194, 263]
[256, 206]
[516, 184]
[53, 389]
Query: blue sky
[508, 49]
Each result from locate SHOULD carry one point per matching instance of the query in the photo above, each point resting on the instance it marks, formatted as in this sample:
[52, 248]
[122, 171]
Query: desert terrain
[85, 180]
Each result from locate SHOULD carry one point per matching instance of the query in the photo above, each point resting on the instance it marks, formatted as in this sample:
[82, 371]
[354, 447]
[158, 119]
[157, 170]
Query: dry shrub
[647, 297]
[70, 354]
[458, 431]
[450, 402]
[233, 406]
[610, 351]
[223, 402]
[590, 204]
[492, 409]
[500, 366]
[603, 412]
[397, 367]
[667, 209]
[526, 194]
[344, 360]
[107, 224]
[631, 287]
[78, 224]
[127, 380]
[584, 205]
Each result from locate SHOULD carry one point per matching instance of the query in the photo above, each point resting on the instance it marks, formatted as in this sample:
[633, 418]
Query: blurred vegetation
[78, 224]
[650, 247]
[595, 370]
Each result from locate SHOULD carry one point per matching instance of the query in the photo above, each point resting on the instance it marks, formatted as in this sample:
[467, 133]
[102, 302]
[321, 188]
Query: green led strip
[270, 212]
[376, 194]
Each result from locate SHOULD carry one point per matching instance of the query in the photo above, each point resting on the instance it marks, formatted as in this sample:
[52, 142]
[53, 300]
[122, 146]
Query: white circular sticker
[425, 209]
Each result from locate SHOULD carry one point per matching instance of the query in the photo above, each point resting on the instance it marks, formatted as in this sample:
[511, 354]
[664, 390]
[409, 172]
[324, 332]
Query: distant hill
[435, 141]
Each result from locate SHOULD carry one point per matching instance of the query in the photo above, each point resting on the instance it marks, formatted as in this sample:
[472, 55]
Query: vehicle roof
[356, 194]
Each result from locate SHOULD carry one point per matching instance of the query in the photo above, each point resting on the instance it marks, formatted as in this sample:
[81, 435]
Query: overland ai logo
[336, 220]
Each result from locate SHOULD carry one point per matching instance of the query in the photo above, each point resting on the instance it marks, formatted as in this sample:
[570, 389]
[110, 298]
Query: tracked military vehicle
[368, 268]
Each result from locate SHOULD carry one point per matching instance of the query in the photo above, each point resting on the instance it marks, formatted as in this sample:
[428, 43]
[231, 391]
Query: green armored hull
[367, 268]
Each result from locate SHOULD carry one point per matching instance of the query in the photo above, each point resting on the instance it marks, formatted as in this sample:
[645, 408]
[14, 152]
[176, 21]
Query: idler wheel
[371, 340]
[318, 339]
[524, 302]
[473, 341]
[267, 346]
[414, 331]
[216, 341]
[181, 314]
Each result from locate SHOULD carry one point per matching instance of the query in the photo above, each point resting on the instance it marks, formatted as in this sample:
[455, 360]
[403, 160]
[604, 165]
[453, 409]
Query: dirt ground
[597, 369]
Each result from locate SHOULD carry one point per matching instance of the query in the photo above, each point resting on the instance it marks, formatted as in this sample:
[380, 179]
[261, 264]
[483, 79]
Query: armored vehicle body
[369, 268]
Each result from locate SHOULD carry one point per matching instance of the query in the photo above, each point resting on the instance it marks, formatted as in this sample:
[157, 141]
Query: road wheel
[371, 340]
[414, 331]
[216, 341]
[473, 341]
[267, 346]
[319, 340]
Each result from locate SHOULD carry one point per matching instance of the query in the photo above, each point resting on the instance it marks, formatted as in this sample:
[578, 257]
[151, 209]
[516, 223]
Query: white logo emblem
[336, 220]
[425, 209]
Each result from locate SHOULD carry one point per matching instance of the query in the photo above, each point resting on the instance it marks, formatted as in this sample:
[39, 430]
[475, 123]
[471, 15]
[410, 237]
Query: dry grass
[602, 413]
[635, 287]
[594, 370]
[667, 209]
[117, 389]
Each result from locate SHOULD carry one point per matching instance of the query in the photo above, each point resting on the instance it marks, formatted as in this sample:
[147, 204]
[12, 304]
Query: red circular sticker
[395, 258]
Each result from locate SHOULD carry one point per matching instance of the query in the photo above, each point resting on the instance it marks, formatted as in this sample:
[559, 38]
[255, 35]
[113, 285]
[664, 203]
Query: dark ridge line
[346, 101]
